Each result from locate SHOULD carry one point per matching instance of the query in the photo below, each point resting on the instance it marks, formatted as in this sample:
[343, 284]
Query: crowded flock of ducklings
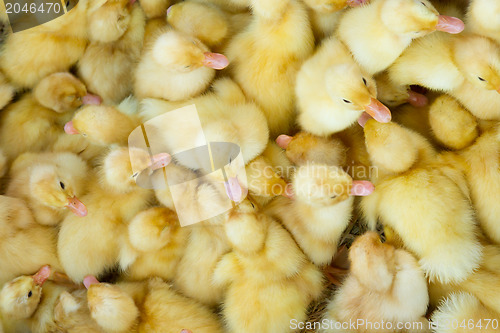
[383, 113]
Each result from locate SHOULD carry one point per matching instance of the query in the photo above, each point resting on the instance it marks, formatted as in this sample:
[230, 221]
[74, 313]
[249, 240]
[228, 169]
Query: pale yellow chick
[333, 91]
[422, 201]
[385, 288]
[116, 33]
[379, 32]
[50, 183]
[92, 244]
[25, 246]
[35, 122]
[159, 240]
[175, 67]
[266, 274]
[266, 57]
[320, 210]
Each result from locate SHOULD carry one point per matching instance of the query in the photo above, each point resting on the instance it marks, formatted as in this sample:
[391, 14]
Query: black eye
[252, 205]
[333, 196]
[364, 81]
[62, 185]
[30, 294]
[230, 160]
[481, 79]
[423, 3]
[135, 174]
[67, 3]
[347, 101]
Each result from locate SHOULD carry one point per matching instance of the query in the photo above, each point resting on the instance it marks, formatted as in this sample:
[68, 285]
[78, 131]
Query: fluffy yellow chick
[267, 73]
[266, 273]
[116, 33]
[211, 26]
[482, 18]
[422, 202]
[325, 15]
[333, 91]
[176, 67]
[160, 243]
[24, 299]
[51, 184]
[464, 313]
[206, 245]
[25, 246]
[379, 32]
[40, 115]
[483, 161]
[97, 124]
[384, 285]
[466, 66]
[62, 40]
[149, 306]
[321, 209]
[92, 244]
[477, 156]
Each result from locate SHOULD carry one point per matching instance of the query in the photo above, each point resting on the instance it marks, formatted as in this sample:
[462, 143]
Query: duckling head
[113, 309]
[53, 187]
[478, 58]
[372, 262]
[98, 124]
[390, 146]
[62, 92]
[417, 18]
[183, 54]
[244, 220]
[117, 167]
[110, 21]
[324, 185]
[353, 90]
[20, 297]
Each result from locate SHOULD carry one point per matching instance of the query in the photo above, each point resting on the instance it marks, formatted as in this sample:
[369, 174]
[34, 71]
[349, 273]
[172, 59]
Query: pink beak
[417, 99]
[378, 111]
[363, 119]
[362, 188]
[77, 207]
[91, 99]
[283, 141]
[450, 24]
[42, 275]
[89, 280]
[215, 60]
[70, 129]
